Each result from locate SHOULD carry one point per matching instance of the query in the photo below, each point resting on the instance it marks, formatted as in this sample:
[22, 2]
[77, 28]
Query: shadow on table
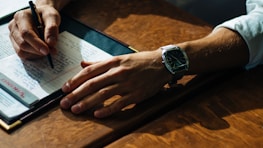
[236, 94]
[110, 11]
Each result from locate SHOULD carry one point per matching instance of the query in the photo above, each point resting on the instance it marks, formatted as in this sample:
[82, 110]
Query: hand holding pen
[27, 40]
[40, 28]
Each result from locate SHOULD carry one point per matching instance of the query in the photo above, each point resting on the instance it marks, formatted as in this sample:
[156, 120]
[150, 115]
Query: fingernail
[99, 114]
[76, 108]
[66, 87]
[65, 103]
[43, 51]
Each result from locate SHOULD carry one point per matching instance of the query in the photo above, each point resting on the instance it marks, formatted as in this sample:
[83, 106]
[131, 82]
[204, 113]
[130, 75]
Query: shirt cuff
[250, 27]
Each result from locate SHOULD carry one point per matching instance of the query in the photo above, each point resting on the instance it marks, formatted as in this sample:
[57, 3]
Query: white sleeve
[250, 27]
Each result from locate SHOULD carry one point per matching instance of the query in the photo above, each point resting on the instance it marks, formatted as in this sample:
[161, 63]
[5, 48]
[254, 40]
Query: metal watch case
[175, 60]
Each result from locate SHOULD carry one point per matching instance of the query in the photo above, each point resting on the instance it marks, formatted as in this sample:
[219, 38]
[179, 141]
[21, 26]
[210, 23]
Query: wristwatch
[175, 61]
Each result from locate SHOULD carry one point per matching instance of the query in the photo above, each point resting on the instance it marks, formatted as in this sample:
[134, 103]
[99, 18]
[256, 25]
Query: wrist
[165, 74]
[220, 50]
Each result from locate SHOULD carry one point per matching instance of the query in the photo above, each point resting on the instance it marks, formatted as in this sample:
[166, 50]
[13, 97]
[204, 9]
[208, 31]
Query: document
[25, 82]
[8, 7]
[9, 106]
[5, 44]
[29, 87]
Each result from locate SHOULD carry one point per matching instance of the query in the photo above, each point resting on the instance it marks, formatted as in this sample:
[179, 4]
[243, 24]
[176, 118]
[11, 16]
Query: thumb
[51, 20]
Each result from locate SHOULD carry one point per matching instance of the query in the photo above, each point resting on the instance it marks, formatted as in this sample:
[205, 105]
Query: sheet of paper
[9, 106]
[39, 78]
[10, 6]
[6, 48]
[18, 92]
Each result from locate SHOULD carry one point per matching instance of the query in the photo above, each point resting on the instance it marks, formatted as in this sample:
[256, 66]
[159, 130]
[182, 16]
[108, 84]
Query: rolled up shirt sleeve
[250, 27]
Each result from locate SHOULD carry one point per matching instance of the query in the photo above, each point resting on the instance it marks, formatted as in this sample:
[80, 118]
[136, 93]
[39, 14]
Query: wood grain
[144, 24]
[228, 114]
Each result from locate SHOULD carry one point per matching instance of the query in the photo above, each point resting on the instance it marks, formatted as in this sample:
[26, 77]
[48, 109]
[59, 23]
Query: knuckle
[21, 15]
[22, 44]
[25, 33]
[104, 93]
[18, 14]
[87, 70]
[73, 97]
[91, 85]
[114, 61]
[82, 105]
[52, 27]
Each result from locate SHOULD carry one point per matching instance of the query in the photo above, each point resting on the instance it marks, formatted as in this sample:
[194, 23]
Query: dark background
[212, 11]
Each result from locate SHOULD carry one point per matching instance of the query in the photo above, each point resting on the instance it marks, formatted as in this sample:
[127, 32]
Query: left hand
[26, 40]
[135, 77]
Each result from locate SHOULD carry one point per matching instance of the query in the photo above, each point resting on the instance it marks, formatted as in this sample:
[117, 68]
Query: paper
[39, 78]
[10, 6]
[9, 106]
[5, 44]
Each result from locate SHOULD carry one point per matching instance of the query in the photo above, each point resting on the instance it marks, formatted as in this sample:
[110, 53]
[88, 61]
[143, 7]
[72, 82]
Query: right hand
[129, 76]
[24, 37]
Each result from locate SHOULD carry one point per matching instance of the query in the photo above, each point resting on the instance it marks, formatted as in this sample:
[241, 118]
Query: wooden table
[145, 25]
[227, 114]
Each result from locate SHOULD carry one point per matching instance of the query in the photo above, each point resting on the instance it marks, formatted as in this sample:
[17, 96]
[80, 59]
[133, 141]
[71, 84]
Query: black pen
[40, 27]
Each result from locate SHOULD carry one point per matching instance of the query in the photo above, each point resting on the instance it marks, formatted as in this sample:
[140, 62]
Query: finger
[95, 99]
[22, 54]
[116, 106]
[86, 63]
[20, 45]
[51, 19]
[28, 33]
[88, 73]
[88, 88]
[22, 48]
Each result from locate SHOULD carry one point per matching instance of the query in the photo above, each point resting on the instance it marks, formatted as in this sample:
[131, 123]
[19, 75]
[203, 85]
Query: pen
[40, 27]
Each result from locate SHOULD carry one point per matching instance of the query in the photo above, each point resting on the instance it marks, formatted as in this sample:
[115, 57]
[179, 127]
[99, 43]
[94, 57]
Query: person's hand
[24, 37]
[134, 77]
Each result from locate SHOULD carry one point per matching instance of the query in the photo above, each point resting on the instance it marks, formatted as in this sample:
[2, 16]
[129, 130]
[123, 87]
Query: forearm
[222, 49]
[57, 4]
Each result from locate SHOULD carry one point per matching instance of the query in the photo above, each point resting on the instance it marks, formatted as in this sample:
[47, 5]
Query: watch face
[175, 60]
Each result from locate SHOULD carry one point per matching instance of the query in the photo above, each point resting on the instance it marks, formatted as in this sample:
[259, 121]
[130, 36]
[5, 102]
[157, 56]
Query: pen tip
[50, 61]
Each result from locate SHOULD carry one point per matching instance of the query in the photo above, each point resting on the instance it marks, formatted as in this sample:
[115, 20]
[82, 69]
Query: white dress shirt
[250, 27]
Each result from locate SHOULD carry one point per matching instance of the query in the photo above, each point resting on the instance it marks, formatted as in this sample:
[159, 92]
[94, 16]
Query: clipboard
[102, 41]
